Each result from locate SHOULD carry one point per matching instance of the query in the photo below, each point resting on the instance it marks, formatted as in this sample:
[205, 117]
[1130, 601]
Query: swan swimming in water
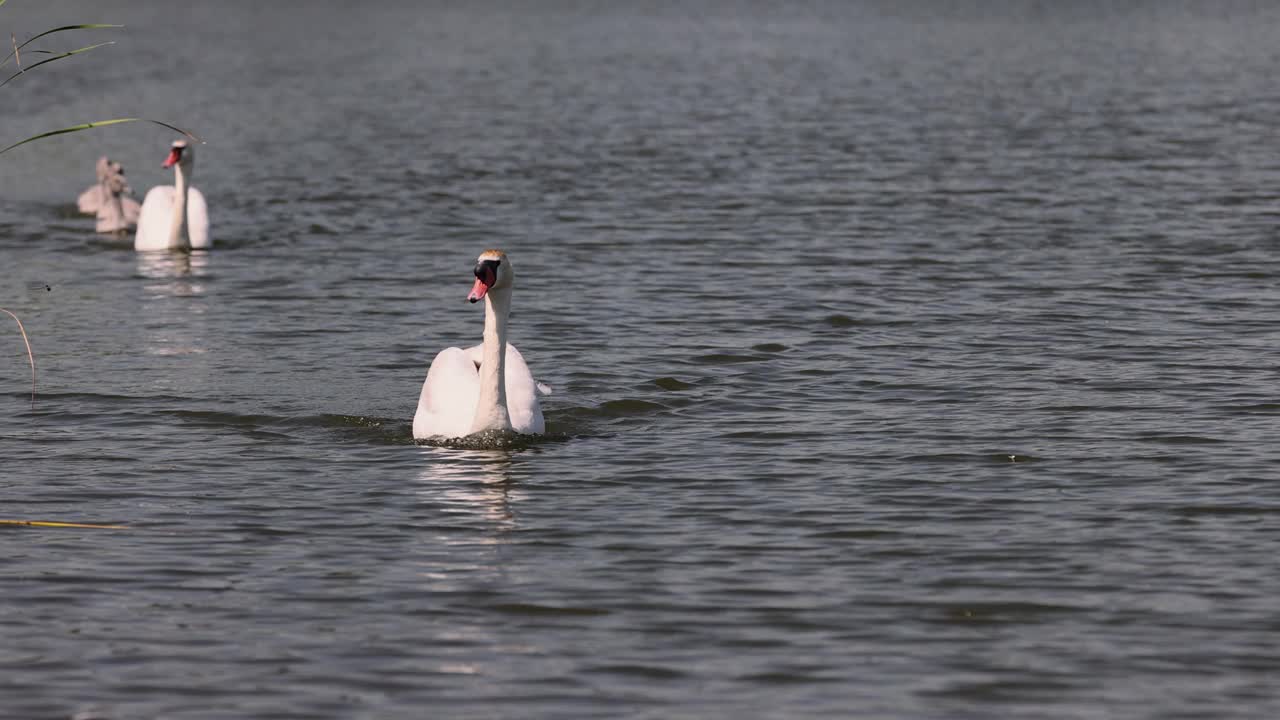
[486, 387]
[111, 199]
[118, 212]
[90, 200]
[175, 217]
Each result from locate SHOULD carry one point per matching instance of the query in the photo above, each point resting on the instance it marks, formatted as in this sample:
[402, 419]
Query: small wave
[358, 428]
[364, 428]
[534, 609]
[1003, 458]
[629, 407]
[58, 402]
[785, 677]
[726, 359]
[770, 347]
[645, 672]
[1180, 439]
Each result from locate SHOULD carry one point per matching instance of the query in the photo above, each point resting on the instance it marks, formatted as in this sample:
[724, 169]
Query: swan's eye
[487, 272]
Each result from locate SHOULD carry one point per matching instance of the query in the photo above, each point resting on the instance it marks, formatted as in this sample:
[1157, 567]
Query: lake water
[909, 361]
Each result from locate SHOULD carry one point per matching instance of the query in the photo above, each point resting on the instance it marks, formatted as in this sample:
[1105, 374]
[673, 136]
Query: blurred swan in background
[110, 199]
[90, 200]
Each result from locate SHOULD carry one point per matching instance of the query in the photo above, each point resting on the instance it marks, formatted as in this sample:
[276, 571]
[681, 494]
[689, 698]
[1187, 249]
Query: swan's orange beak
[477, 291]
[174, 156]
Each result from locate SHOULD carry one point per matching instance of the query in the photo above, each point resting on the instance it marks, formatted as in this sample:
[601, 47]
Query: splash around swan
[489, 440]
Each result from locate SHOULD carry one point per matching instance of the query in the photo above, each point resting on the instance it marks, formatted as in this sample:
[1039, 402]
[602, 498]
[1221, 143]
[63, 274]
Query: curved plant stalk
[51, 523]
[16, 54]
[17, 48]
[99, 123]
[31, 358]
[24, 70]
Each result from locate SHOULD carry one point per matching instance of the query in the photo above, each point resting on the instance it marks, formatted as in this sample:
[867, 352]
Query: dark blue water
[909, 361]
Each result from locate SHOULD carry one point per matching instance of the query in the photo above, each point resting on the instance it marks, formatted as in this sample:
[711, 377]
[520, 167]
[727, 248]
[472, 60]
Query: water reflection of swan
[466, 515]
[174, 328]
[474, 482]
[183, 272]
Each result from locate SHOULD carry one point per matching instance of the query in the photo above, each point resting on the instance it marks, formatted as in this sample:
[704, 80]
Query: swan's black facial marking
[487, 271]
[486, 275]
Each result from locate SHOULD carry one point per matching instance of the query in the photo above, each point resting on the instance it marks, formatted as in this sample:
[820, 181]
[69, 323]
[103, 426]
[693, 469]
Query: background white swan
[111, 199]
[117, 212]
[175, 217]
[90, 200]
[488, 387]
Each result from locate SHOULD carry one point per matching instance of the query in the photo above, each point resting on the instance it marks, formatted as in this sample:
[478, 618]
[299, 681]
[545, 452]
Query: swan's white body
[156, 219]
[174, 217]
[485, 387]
[117, 212]
[451, 393]
[90, 200]
[111, 200]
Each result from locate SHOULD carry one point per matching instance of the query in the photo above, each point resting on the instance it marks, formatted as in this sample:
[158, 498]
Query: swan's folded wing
[198, 220]
[476, 354]
[522, 395]
[153, 219]
[90, 200]
[447, 405]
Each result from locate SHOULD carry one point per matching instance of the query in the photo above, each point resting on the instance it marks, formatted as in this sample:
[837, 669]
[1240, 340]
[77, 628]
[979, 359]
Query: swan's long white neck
[178, 237]
[491, 410]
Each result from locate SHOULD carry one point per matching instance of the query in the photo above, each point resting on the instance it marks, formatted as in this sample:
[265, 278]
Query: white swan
[111, 199]
[118, 212]
[174, 217]
[90, 200]
[487, 387]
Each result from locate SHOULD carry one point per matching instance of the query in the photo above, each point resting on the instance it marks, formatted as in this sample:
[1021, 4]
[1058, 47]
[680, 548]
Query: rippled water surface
[909, 361]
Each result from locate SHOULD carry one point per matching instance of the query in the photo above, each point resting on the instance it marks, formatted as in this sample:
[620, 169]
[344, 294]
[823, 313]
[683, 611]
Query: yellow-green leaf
[99, 123]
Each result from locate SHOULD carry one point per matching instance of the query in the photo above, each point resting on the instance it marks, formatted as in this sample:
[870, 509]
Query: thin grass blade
[87, 48]
[31, 358]
[100, 123]
[54, 524]
[93, 26]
